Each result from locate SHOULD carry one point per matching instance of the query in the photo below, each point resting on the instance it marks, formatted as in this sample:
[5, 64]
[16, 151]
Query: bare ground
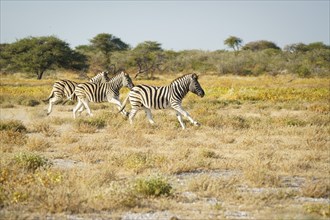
[217, 182]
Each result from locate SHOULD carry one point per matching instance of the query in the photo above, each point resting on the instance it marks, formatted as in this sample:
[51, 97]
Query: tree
[148, 57]
[300, 47]
[38, 54]
[260, 45]
[106, 44]
[233, 42]
[4, 57]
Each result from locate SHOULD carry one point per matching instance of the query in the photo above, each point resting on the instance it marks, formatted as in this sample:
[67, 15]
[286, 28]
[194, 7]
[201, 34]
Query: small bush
[9, 138]
[29, 102]
[12, 125]
[68, 138]
[316, 189]
[31, 162]
[90, 125]
[153, 186]
[44, 128]
[208, 153]
[261, 169]
[318, 209]
[236, 122]
[37, 144]
[295, 122]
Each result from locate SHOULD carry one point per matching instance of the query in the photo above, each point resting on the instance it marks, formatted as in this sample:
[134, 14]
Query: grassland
[262, 152]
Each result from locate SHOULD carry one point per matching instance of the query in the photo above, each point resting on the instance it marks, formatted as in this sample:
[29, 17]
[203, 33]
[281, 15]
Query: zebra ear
[194, 76]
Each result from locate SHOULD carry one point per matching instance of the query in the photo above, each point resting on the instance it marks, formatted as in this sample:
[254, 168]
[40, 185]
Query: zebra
[152, 97]
[109, 91]
[65, 88]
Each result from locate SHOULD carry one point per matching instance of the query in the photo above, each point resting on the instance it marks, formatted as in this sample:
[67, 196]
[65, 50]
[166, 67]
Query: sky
[176, 25]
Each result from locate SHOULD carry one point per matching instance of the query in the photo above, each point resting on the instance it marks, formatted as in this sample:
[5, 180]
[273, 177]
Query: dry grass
[263, 145]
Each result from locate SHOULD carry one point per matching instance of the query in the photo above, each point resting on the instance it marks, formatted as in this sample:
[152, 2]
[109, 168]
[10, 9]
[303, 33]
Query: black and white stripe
[64, 89]
[152, 97]
[103, 92]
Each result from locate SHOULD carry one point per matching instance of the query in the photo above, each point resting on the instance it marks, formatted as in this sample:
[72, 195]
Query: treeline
[108, 52]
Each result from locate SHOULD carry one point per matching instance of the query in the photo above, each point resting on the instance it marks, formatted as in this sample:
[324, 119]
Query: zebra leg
[117, 102]
[186, 114]
[81, 109]
[149, 115]
[132, 115]
[85, 102]
[179, 116]
[75, 109]
[52, 102]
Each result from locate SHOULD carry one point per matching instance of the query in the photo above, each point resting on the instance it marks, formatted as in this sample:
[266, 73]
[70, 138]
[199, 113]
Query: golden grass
[262, 145]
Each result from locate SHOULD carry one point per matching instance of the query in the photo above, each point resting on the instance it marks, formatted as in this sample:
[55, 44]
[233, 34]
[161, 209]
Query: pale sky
[177, 25]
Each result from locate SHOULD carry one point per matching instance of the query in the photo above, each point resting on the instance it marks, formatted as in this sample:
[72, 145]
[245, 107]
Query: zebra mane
[184, 76]
[117, 76]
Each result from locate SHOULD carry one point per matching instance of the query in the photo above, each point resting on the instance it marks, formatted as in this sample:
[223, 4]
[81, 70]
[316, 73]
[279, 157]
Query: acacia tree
[233, 42]
[260, 45]
[148, 57]
[106, 44]
[38, 54]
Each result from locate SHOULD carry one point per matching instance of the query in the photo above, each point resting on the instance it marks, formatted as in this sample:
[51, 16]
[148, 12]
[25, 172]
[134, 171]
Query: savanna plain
[262, 152]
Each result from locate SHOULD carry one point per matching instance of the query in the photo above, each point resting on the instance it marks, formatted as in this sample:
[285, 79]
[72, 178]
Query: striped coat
[65, 88]
[103, 92]
[152, 97]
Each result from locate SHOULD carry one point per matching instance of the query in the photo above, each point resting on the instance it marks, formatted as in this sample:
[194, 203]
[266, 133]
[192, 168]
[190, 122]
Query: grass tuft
[28, 102]
[44, 128]
[12, 125]
[318, 209]
[30, 161]
[37, 144]
[316, 189]
[90, 125]
[153, 186]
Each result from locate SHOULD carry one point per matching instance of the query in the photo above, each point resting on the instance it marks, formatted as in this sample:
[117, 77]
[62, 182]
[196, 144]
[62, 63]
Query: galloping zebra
[152, 97]
[109, 91]
[65, 88]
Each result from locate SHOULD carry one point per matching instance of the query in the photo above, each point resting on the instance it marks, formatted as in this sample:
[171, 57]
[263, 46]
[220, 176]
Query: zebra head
[195, 87]
[127, 81]
[105, 76]
[102, 77]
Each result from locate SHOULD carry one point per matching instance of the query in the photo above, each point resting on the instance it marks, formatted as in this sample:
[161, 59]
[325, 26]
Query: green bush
[28, 102]
[153, 186]
[31, 162]
[12, 125]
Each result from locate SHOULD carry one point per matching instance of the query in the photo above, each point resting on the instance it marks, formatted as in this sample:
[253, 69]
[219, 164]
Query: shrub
[208, 153]
[153, 186]
[9, 138]
[12, 125]
[90, 125]
[28, 102]
[43, 127]
[261, 169]
[316, 189]
[31, 162]
[295, 122]
[37, 144]
[318, 209]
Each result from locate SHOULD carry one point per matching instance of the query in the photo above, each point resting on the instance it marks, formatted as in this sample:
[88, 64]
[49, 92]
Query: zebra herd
[101, 88]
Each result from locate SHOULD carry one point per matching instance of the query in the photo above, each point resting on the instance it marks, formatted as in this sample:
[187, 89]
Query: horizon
[176, 25]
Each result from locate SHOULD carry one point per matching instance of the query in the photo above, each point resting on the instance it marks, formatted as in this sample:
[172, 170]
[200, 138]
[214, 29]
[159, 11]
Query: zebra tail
[69, 98]
[124, 104]
[49, 97]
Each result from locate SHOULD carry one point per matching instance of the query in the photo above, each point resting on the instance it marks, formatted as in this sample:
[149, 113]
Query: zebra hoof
[197, 124]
